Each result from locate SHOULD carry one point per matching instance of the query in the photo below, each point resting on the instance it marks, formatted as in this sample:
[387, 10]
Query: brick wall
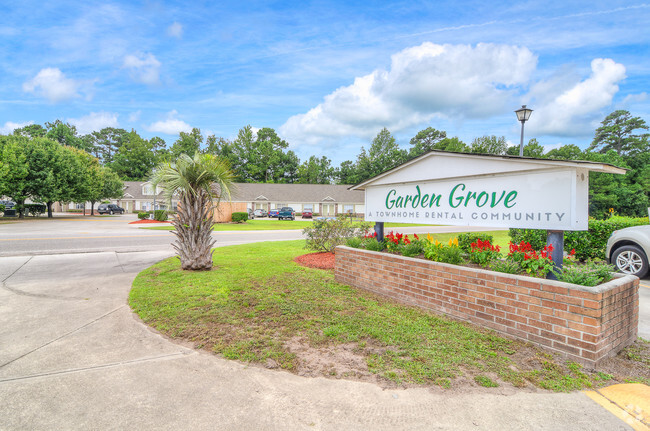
[585, 324]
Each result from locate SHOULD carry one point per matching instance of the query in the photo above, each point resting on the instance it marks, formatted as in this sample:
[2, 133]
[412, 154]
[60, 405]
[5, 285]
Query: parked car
[110, 209]
[260, 213]
[274, 213]
[628, 249]
[286, 213]
[307, 214]
[8, 204]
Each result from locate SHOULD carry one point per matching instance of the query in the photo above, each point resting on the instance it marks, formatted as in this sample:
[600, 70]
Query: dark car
[8, 204]
[307, 214]
[110, 209]
[274, 213]
[286, 213]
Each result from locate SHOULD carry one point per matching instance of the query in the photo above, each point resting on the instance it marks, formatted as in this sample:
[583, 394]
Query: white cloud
[634, 98]
[175, 30]
[143, 67]
[564, 107]
[170, 126]
[425, 81]
[52, 84]
[10, 126]
[94, 121]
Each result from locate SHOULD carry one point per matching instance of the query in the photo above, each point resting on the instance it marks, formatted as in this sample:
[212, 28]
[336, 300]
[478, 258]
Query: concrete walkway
[73, 356]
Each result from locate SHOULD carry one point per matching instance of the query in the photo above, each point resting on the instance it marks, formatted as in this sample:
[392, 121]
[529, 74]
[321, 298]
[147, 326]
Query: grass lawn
[269, 225]
[257, 305]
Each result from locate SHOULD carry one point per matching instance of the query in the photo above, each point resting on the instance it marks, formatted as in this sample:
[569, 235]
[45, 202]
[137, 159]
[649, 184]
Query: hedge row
[239, 217]
[590, 244]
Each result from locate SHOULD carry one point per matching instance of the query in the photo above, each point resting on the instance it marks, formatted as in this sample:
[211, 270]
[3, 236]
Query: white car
[628, 249]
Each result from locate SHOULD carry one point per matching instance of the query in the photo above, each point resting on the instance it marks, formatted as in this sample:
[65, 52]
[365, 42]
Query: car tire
[630, 259]
[111, 212]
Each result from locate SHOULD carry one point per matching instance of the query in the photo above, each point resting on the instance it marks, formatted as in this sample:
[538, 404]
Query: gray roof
[267, 192]
[295, 193]
[134, 189]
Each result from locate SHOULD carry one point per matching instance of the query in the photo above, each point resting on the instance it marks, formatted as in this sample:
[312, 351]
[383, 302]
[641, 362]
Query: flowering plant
[483, 252]
[530, 260]
[394, 240]
[438, 252]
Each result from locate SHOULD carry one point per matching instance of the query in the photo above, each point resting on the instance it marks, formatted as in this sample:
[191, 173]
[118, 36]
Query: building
[323, 199]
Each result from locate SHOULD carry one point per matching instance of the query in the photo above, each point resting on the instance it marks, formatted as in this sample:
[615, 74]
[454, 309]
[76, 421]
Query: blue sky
[326, 75]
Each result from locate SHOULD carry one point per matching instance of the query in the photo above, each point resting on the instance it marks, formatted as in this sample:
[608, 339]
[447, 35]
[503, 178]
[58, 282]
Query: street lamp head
[523, 114]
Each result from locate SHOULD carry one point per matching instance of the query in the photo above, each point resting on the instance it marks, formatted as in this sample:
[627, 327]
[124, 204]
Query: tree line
[262, 156]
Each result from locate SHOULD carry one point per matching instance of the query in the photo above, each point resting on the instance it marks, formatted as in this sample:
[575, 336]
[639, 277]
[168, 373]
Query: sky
[326, 75]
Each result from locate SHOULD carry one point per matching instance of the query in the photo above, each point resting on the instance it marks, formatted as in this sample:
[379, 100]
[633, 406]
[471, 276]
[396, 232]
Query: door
[328, 210]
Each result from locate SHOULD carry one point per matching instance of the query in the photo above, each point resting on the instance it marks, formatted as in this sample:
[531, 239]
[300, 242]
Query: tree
[347, 173]
[615, 133]
[531, 149]
[14, 170]
[315, 171]
[566, 152]
[425, 141]
[31, 131]
[198, 182]
[188, 143]
[135, 158]
[105, 143]
[383, 155]
[489, 145]
[105, 184]
[66, 134]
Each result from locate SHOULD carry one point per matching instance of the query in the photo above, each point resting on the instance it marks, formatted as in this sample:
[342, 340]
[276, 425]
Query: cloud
[171, 126]
[425, 81]
[563, 107]
[94, 121]
[175, 30]
[634, 98]
[52, 84]
[134, 116]
[10, 126]
[143, 68]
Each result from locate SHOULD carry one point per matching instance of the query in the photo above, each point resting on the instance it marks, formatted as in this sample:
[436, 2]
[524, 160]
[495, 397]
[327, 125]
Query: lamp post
[523, 115]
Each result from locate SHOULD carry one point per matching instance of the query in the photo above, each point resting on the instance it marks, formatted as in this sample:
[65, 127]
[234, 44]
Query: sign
[554, 199]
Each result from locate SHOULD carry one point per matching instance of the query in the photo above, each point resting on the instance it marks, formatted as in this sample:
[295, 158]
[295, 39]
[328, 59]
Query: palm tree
[199, 183]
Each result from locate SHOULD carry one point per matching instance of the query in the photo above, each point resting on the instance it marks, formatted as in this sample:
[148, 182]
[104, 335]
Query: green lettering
[399, 203]
[481, 196]
[390, 203]
[425, 199]
[470, 195]
[494, 196]
[434, 200]
[452, 198]
[509, 198]
[416, 198]
[406, 201]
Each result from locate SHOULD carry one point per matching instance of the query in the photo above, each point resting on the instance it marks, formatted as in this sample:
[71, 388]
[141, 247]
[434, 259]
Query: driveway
[73, 356]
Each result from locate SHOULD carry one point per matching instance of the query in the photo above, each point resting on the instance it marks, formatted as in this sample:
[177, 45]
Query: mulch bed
[323, 260]
[148, 222]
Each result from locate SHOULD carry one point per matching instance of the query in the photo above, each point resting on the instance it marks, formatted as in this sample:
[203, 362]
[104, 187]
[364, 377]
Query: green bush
[506, 266]
[373, 245]
[589, 274]
[143, 215]
[160, 215]
[439, 252]
[588, 244]
[415, 248]
[466, 239]
[325, 235]
[239, 217]
[35, 209]
[2, 208]
[354, 242]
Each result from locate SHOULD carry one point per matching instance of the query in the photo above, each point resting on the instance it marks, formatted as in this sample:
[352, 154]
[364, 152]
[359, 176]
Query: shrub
[2, 208]
[298, 214]
[588, 274]
[354, 242]
[466, 239]
[530, 260]
[482, 252]
[505, 266]
[438, 252]
[160, 215]
[588, 244]
[396, 241]
[325, 235]
[35, 209]
[414, 248]
[143, 215]
[239, 217]
[373, 245]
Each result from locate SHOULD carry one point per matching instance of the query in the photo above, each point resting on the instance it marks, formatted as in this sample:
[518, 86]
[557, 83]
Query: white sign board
[554, 199]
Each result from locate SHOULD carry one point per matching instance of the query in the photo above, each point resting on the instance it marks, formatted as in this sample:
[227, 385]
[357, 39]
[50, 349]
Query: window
[308, 207]
[348, 209]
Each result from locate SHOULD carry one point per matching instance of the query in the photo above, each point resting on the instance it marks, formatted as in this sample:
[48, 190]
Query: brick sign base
[585, 324]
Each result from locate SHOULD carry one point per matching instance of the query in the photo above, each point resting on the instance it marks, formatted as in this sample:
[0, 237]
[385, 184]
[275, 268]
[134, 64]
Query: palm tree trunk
[193, 229]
